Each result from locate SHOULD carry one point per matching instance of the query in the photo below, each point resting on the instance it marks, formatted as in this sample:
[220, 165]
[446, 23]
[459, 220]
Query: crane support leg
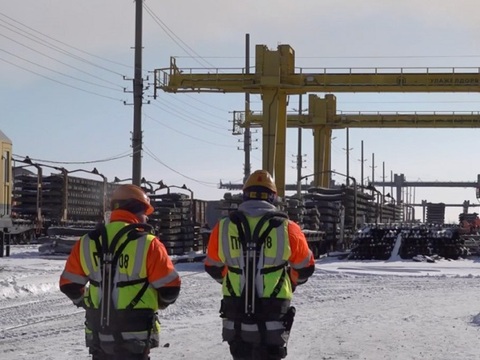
[321, 136]
[281, 157]
[269, 130]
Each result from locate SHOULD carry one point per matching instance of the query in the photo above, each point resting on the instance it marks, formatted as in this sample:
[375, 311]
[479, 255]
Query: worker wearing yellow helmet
[260, 186]
[259, 256]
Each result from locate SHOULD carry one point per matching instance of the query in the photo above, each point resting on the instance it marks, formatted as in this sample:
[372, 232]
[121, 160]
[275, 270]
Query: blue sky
[64, 65]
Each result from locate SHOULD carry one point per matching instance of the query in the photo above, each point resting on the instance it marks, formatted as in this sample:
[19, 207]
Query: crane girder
[325, 81]
[380, 120]
[407, 121]
[276, 77]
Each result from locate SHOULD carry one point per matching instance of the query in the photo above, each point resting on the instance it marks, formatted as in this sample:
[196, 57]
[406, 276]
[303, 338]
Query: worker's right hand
[80, 303]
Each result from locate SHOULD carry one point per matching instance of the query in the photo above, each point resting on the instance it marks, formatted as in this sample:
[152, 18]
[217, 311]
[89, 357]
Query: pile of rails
[77, 199]
[177, 221]
[329, 216]
[338, 211]
[374, 242]
[408, 241]
[56, 205]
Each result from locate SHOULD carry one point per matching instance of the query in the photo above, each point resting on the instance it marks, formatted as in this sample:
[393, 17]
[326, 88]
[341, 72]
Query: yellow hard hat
[129, 192]
[261, 178]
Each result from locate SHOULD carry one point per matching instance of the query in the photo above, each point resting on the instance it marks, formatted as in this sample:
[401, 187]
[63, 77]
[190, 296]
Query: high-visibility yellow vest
[271, 280]
[130, 274]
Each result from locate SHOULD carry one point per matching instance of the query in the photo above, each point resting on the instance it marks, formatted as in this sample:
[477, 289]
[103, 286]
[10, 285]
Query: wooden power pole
[137, 98]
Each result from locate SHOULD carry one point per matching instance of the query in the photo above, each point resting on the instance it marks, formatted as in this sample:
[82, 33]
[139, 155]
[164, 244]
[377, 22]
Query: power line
[60, 82]
[177, 98]
[185, 134]
[205, 183]
[54, 47]
[61, 62]
[187, 119]
[115, 157]
[175, 38]
[191, 116]
[204, 103]
[58, 72]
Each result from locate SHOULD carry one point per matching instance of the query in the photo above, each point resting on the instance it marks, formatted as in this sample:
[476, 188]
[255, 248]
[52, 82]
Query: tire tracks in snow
[46, 316]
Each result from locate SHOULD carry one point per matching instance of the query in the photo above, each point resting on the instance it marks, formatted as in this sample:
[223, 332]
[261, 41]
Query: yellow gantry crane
[322, 118]
[276, 77]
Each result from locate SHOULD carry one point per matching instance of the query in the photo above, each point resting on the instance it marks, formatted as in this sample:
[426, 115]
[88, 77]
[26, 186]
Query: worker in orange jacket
[259, 257]
[129, 275]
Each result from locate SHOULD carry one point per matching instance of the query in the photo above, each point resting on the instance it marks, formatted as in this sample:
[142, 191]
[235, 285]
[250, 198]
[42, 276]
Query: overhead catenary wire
[204, 103]
[185, 134]
[48, 44]
[61, 62]
[59, 72]
[168, 108]
[56, 48]
[185, 47]
[177, 98]
[154, 157]
[111, 158]
[60, 82]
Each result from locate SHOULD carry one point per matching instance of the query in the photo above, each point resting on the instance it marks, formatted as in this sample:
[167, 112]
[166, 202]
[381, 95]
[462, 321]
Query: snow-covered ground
[348, 310]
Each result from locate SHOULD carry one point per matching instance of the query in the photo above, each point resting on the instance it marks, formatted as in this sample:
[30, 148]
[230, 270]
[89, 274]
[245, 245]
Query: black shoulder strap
[240, 220]
[252, 244]
[121, 233]
[101, 247]
[104, 248]
[275, 219]
[132, 235]
[139, 295]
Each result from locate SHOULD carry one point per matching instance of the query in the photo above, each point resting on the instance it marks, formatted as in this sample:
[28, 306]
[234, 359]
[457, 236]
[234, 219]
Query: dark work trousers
[100, 355]
[241, 350]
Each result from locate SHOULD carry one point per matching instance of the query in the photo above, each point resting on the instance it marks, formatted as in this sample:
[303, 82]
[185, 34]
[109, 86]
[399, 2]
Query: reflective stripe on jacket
[130, 273]
[271, 278]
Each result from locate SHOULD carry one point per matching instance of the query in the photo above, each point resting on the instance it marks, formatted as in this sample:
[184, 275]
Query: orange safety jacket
[265, 317]
[160, 272]
[159, 265]
[300, 270]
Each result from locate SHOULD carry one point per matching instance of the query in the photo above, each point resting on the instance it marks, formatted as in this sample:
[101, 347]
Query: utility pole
[299, 154]
[383, 178]
[137, 98]
[247, 134]
[348, 157]
[373, 168]
[391, 181]
[362, 160]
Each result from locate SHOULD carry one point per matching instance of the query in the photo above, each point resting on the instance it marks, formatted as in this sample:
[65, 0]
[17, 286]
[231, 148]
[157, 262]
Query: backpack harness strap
[252, 245]
[108, 262]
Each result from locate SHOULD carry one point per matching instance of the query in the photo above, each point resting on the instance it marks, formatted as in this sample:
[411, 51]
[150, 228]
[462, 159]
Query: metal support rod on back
[250, 274]
[107, 288]
[247, 278]
[102, 306]
[254, 273]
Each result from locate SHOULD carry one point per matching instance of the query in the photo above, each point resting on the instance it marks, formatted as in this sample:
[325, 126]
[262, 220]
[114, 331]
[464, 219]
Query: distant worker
[130, 277]
[259, 257]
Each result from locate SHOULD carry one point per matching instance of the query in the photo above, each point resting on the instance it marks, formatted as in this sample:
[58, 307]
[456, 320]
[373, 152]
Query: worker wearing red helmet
[259, 257]
[129, 275]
